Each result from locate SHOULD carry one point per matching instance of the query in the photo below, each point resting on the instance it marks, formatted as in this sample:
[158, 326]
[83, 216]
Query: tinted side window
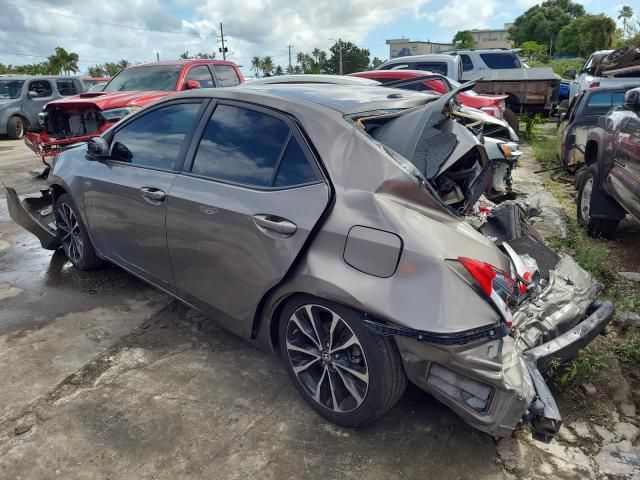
[500, 61]
[240, 146]
[66, 87]
[202, 75]
[599, 103]
[154, 139]
[435, 67]
[294, 167]
[467, 64]
[41, 87]
[227, 75]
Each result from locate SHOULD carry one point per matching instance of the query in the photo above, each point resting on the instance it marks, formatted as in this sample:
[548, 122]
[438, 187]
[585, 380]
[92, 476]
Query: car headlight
[509, 150]
[117, 113]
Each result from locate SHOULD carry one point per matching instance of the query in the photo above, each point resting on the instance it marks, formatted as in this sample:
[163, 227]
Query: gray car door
[125, 195]
[240, 214]
[39, 93]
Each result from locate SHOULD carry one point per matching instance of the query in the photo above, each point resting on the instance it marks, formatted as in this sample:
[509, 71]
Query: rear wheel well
[591, 152]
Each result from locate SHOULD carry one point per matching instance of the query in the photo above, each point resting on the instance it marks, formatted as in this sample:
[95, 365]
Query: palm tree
[626, 14]
[266, 65]
[63, 61]
[255, 66]
[122, 64]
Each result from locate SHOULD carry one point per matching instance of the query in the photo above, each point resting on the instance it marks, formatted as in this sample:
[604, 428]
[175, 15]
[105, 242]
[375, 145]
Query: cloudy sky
[101, 31]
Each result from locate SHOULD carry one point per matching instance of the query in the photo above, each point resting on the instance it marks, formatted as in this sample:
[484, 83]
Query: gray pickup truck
[497, 72]
[22, 98]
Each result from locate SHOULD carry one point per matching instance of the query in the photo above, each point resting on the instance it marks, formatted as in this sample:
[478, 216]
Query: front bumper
[35, 214]
[45, 146]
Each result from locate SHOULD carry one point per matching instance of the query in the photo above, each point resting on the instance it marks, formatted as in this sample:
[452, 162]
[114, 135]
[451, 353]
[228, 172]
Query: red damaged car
[491, 104]
[78, 118]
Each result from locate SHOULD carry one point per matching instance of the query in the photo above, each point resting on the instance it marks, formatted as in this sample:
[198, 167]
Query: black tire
[618, 58]
[596, 227]
[76, 243]
[15, 128]
[512, 119]
[379, 358]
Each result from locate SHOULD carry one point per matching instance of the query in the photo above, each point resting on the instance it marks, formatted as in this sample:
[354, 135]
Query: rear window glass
[202, 75]
[227, 76]
[435, 67]
[501, 61]
[601, 102]
[41, 87]
[240, 145]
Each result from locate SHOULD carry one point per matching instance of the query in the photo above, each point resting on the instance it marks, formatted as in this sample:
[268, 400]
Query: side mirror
[570, 73]
[562, 118]
[191, 85]
[632, 100]
[32, 94]
[97, 148]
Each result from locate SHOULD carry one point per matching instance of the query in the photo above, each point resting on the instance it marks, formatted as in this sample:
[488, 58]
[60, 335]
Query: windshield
[10, 89]
[147, 79]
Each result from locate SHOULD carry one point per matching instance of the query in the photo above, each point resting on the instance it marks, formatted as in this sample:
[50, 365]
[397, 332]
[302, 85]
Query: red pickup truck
[78, 118]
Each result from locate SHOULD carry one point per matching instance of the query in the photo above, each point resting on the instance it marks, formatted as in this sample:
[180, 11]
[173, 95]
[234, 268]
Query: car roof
[313, 78]
[405, 73]
[612, 88]
[417, 58]
[481, 50]
[188, 61]
[345, 99]
[35, 77]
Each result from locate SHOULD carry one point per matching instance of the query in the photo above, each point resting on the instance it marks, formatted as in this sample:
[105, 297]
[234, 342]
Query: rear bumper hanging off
[35, 214]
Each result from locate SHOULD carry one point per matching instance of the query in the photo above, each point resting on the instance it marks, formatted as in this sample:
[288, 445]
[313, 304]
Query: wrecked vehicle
[327, 223]
[76, 119]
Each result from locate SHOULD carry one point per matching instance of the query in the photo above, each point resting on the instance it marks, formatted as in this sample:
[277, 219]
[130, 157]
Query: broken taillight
[499, 286]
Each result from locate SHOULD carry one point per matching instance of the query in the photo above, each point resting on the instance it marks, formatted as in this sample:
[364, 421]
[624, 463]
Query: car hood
[108, 100]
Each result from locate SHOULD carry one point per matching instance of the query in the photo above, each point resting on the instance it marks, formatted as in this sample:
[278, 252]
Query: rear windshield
[146, 79]
[10, 89]
[433, 67]
[501, 61]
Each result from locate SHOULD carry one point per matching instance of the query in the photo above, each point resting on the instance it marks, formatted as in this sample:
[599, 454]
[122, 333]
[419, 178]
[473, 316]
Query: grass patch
[584, 367]
[628, 348]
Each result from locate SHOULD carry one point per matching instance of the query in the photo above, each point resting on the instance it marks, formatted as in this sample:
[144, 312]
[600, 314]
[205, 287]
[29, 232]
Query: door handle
[153, 193]
[275, 223]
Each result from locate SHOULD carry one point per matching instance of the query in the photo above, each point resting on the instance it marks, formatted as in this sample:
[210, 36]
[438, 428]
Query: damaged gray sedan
[332, 224]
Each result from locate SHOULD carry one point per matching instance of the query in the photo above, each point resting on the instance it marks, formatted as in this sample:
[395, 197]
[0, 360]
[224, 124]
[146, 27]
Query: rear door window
[66, 87]
[202, 75]
[41, 87]
[501, 61]
[156, 138]
[435, 67]
[249, 147]
[227, 75]
[467, 64]
[599, 103]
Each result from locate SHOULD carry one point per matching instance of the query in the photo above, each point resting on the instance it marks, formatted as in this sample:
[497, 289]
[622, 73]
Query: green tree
[97, 71]
[586, 34]
[542, 23]
[354, 59]
[122, 64]
[111, 69]
[63, 61]
[625, 14]
[464, 39]
[376, 62]
[267, 66]
[534, 51]
[255, 66]
[185, 55]
[278, 71]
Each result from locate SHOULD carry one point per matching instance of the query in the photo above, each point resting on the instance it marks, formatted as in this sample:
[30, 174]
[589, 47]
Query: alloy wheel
[67, 223]
[327, 358]
[19, 129]
[585, 200]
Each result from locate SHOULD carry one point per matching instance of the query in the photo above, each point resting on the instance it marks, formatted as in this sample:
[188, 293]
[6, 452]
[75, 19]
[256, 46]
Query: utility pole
[222, 50]
[289, 59]
[158, 56]
[340, 55]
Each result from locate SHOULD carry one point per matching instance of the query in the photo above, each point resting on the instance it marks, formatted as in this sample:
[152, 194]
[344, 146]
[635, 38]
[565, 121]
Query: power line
[93, 20]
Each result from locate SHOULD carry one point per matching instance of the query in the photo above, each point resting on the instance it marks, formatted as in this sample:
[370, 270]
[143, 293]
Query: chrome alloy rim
[585, 199]
[68, 225]
[327, 358]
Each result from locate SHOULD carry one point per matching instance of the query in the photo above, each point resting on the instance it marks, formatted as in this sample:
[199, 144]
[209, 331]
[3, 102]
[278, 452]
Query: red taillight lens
[594, 84]
[482, 272]
[496, 284]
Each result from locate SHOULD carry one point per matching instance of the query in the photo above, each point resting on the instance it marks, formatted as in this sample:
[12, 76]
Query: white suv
[475, 61]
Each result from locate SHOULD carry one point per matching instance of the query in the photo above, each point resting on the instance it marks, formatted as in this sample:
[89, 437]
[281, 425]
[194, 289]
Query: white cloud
[464, 15]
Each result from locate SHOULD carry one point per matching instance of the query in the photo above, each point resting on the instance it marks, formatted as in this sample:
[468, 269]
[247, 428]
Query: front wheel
[596, 227]
[347, 373]
[15, 128]
[74, 238]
